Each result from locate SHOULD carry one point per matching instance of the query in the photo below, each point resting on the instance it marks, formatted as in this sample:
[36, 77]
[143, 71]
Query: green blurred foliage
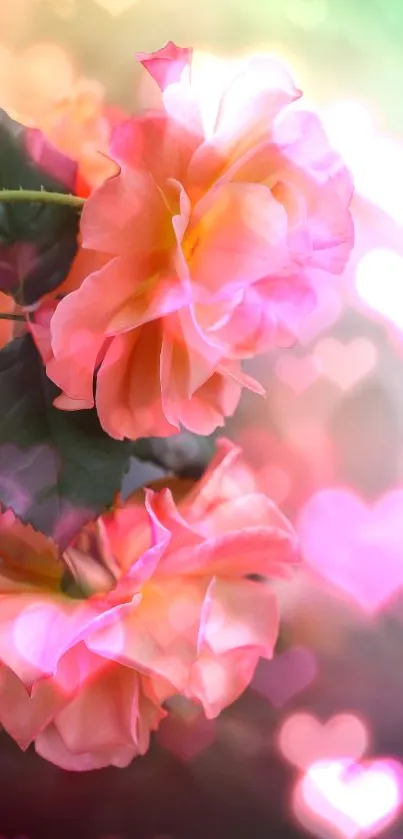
[343, 48]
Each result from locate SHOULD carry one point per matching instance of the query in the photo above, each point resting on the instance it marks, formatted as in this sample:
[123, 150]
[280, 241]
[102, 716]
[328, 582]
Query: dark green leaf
[186, 455]
[58, 469]
[37, 241]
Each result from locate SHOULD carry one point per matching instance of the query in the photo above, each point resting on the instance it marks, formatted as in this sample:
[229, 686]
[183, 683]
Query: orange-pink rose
[212, 241]
[177, 601]
[82, 710]
[202, 623]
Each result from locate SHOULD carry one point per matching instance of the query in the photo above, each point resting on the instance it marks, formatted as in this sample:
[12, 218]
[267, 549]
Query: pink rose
[202, 623]
[212, 242]
[169, 608]
[84, 711]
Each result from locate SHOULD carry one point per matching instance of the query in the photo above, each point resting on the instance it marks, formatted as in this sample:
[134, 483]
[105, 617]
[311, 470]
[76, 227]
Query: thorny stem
[40, 196]
[7, 316]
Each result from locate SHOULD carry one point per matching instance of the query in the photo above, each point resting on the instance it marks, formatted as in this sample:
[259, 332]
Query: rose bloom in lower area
[157, 601]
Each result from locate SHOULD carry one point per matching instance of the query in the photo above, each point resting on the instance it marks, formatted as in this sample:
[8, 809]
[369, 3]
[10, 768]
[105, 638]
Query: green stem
[41, 197]
[7, 316]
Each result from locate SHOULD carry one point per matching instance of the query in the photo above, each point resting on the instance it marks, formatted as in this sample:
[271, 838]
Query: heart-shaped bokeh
[345, 364]
[354, 546]
[278, 470]
[303, 740]
[286, 675]
[338, 799]
[186, 732]
[299, 373]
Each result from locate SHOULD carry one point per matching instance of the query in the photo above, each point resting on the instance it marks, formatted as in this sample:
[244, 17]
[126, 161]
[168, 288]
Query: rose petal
[240, 613]
[167, 64]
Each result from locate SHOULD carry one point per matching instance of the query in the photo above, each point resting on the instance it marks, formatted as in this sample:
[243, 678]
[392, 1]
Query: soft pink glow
[345, 364]
[303, 740]
[354, 546]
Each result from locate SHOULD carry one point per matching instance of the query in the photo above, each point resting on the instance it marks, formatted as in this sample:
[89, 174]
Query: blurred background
[315, 747]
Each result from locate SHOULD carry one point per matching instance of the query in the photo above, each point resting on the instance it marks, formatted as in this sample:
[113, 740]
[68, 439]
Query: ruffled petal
[168, 64]
[100, 716]
[153, 142]
[217, 681]
[125, 215]
[139, 550]
[256, 95]
[165, 513]
[304, 141]
[240, 614]
[184, 371]
[24, 715]
[37, 629]
[76, 339]
[50, 745]
[270, 552]
[153, 298]
[128, 395]
[158, 638]
[239, 236]
[254, 98]
[220, 482]
[210, 405]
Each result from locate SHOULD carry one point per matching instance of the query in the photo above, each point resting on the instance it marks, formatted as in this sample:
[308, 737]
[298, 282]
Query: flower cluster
[195, 250]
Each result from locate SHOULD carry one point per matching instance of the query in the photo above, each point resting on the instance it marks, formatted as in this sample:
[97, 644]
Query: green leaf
[185, 455]
[58, 469]
[37, 241]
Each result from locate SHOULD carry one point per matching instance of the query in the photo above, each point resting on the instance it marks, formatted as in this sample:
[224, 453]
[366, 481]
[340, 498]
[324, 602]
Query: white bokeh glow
[379, 283]
[366, 799]
[376, 161]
